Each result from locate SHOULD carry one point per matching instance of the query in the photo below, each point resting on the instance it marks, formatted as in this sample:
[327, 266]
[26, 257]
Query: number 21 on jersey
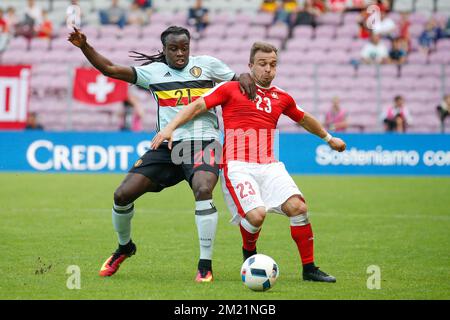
[268, 104]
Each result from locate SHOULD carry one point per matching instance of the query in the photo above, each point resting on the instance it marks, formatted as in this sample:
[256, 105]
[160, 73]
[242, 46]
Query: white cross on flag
[91, 87]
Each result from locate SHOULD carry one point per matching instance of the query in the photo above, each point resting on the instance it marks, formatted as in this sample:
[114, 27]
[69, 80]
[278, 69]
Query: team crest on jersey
[138, 163]
[196, 71]
[274, 95]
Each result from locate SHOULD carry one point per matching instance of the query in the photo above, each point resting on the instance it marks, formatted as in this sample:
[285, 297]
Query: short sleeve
[143, 76]
[293, 111]
[217, 95]
[218, 70]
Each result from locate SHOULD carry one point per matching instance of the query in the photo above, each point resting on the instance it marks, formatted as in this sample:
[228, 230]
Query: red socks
[249, 239]
[303, 237]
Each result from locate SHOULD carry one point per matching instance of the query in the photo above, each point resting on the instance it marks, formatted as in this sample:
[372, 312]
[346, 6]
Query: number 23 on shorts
[245, 189]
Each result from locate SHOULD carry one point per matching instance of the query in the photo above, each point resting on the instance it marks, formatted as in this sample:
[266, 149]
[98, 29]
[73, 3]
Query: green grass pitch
[52, 221]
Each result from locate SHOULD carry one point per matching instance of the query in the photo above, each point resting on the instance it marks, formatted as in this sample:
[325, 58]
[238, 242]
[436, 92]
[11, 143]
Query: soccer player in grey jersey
[175, 79]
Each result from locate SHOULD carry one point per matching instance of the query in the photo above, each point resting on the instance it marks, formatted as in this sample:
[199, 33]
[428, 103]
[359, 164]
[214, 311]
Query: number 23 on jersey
[267, 105]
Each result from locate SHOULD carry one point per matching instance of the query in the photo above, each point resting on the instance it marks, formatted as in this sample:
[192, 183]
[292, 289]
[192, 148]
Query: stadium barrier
[116, 152]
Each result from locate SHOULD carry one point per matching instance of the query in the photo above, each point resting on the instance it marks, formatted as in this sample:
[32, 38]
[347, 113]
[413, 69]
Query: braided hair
[160, 57]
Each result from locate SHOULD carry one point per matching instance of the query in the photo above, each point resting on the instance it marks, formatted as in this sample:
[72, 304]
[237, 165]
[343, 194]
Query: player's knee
[295, 206]
[120, 197]
[256, 216]
[203, 193]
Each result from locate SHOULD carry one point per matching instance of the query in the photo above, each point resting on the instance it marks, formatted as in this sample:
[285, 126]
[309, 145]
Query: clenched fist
[337, 144]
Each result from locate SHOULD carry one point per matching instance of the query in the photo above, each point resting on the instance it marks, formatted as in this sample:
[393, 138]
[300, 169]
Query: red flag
[14, 96]
[91, 87]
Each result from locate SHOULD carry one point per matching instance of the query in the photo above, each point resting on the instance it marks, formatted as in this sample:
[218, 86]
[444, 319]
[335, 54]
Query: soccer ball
[259, 272]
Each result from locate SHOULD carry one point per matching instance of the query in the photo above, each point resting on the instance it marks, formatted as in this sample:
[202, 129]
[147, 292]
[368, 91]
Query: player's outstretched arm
[312, 125]
[186, 114]
[100, 62]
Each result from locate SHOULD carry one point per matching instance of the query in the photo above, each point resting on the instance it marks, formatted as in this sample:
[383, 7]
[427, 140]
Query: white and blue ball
[259, 272]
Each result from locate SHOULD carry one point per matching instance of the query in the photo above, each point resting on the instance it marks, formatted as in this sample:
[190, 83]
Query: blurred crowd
[33, 23]
[388, 41]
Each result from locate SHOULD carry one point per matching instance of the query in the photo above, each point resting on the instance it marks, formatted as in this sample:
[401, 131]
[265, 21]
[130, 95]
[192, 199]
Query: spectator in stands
[319, 6]
[32, 122]
[375, 52]
[356, 5]
[384, 5]
[132, 114]
[444, 110]
[146, 6]
[32, 19]
[385, 27]
[337, 6]
[429, 37]
[403, 26]
[397, 117]
[4, 32]
[74, 15]
[446, 31]
[285, 11]
[364, 31]
[304, 16]
[113, 15]
[198, 16]
[336, 117]
[403, 29]
[33, 13]
[269, 6]
[398, 52]
[135, 15]
[11, 20]
[45, 29]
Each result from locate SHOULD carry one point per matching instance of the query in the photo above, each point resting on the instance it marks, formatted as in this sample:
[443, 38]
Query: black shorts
[168, 167]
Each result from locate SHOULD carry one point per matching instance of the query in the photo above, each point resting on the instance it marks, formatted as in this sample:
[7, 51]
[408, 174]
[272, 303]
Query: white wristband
[327, 138]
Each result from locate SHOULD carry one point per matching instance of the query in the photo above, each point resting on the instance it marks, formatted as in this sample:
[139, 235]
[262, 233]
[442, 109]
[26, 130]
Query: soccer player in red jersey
[253, 181]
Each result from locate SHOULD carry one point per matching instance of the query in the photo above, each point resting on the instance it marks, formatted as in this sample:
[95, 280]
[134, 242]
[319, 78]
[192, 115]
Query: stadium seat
[417, 57]
[325, 32]
[333, 19]
[262, 18]
[278, 31]
[256, 32]
[302, 32]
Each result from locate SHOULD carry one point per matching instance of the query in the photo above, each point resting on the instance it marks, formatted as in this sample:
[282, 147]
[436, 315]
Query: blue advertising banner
[366, 154]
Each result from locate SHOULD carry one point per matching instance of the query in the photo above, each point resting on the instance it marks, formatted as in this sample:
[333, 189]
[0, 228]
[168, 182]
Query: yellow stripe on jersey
[180, 93]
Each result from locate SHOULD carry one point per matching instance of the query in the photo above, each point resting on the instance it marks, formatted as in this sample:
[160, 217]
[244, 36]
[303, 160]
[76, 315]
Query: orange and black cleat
[112, 264]
[204, 275]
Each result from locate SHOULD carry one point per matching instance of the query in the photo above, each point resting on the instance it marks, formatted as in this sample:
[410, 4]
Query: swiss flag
[91, 87]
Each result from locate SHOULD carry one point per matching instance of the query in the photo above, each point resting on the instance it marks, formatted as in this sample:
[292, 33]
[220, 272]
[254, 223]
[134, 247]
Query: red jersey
[250, 125]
